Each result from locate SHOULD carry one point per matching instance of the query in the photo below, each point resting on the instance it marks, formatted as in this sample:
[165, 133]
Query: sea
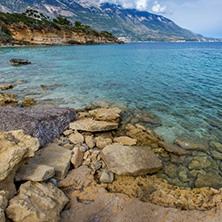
[180, 83]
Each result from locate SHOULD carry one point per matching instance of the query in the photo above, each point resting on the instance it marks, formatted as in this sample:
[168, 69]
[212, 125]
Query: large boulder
[44, 124]
[106, 114]
[37, 202]
[53, 156]
[90, 125]
[130, 160]
[15, 149]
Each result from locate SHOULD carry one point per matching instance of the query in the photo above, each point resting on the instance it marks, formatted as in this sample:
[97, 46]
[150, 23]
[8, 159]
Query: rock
[101, 103]
[28, 102]
[216, 155]
[107, 176]
[199, 162]
[90, 141]
[97, 165]
[171, 170]
[106, 114]
[77, 178]
[68, 146]
[5, 86]
[37, 202]
[18, 62]
[89, 108]
[146, 137]
[172, 148]
[34, 172]
[8, 100]
[76, 138]
[208, 180]
[3, 204]
[189, 144]
[125, 140]
[177, 159]
[44, 124]
[77, 157]
[102, 142]
[54, 156]
[15, 148]
[67, 132]
[90, 125]
[128, 160]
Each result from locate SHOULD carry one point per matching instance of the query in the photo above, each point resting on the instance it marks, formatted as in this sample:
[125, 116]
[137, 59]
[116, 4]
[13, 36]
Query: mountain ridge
[131, 23]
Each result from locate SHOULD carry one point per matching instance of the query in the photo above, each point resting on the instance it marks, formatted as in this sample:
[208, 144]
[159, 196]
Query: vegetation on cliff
[33, 20]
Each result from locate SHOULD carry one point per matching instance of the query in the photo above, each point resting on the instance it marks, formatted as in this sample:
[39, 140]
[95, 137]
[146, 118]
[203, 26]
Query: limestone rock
[37, 202]
[28, 102]
[107, 176]
[76, 138]
[101, 142]
[145, 137]
[189, 144]
[125, 140]
[129, 160]
[172, 148]
[18, 62]
[5, 86]
[44, 124]
[90, 125]
[15, 148]
[34, 172]
[208, 180]
[106, 114]
[3, 204]
[77, 178]
[8, 100]
[90, 141]
[77, 157]
[54, 156]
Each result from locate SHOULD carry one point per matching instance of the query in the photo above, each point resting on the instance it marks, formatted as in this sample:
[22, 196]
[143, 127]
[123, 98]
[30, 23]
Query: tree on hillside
[62, 21]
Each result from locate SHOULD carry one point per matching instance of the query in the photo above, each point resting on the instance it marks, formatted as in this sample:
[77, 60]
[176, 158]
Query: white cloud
[157, 8]
[142, 5]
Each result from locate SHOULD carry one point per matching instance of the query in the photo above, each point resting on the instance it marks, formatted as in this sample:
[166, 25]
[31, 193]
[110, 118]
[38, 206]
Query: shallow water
[181, 83]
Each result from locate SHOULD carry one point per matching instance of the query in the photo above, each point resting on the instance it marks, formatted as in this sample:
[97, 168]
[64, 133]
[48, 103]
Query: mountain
[131, 23]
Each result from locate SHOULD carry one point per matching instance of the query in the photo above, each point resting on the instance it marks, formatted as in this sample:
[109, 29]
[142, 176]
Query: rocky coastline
[94, 164]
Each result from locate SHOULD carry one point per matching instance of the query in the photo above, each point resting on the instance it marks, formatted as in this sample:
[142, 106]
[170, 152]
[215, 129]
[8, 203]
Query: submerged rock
[28, 102]
[172, 148]
[90, 125]
[18, 62]
[37, 202]
[130, 160]
[6, 86]
[44, 124]
[8, 100]
[189, 144]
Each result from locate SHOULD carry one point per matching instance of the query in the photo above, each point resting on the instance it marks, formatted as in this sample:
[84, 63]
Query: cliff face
[20, 32]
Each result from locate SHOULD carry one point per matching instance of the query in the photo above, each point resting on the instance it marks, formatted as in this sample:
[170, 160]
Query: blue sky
[200, 16]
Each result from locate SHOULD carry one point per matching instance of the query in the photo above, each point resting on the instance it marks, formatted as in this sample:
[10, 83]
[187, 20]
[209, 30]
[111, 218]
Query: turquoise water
[181, 83]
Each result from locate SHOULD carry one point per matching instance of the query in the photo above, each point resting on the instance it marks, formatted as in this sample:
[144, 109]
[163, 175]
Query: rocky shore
[91, 164]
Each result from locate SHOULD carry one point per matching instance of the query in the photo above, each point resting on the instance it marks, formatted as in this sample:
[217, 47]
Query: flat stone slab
[130, 160]
[90, 125]
[53, 156]
[125, 140]
[34, 172]
[44, 124]
[37, 202]
[172, 148]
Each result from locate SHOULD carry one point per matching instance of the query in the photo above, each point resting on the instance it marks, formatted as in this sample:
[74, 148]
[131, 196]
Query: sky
[200, 16]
